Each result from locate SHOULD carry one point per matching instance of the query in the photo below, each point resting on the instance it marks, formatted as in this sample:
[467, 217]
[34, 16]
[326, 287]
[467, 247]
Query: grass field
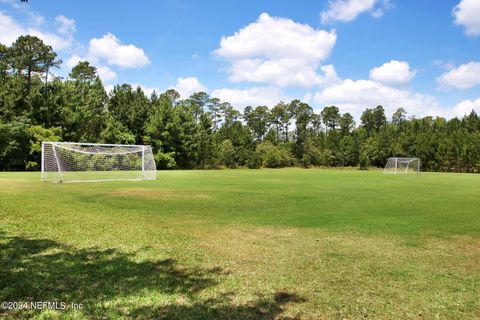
[244, 244]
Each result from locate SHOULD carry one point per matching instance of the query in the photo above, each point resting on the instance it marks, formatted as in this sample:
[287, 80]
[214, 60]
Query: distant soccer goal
[82, 162]
[402, 165]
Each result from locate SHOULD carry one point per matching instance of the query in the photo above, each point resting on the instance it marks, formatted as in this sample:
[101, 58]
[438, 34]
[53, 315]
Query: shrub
[165, 160]
[274, 156]
[227, 154]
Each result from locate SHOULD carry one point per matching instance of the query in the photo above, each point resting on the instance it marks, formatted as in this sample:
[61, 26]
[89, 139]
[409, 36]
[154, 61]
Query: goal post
[402, 165]
[82, 162]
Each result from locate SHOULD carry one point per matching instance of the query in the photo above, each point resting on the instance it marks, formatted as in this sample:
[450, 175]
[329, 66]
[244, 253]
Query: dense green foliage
[244, 244]
[204, 132]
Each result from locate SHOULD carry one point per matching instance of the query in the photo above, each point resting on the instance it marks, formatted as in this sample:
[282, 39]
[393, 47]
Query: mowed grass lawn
[244, 244]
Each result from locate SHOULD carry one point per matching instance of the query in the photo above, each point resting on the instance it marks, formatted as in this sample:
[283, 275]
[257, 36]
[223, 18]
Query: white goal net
[402, 165]
[75, 162]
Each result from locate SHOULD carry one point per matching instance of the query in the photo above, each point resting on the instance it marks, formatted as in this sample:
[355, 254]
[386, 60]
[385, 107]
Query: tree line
[204, 132]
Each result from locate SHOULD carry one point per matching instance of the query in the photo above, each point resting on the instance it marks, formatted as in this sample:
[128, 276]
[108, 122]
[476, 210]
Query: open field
[244, 244]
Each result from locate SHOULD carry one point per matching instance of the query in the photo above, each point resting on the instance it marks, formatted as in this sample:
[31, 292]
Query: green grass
[244, 244]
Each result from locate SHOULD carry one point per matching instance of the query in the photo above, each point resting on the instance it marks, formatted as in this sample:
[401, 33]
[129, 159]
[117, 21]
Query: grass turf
[244, 244]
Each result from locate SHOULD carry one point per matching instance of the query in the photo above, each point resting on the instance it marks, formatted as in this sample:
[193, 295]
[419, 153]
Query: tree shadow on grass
[222, 307]
[45, 270]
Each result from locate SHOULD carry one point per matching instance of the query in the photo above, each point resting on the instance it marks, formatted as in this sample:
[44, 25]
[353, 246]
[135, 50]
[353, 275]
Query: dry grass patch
[158, 194]
[12, 185]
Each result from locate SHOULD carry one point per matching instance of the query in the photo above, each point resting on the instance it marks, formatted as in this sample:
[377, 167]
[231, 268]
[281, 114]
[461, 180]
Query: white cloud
[106, 74]
[463, 77]
[276, 51]
[73, 61]
[354, 96]
[187, 86]
[256, 96]
[58, 43]
[330, 76]
[348, 10]
[10, 30]
[467, 14]
[466, 106]
[107, 49]
[273, 37]
[66, 26]
[281, 72]
[110, 49]
[393, 73]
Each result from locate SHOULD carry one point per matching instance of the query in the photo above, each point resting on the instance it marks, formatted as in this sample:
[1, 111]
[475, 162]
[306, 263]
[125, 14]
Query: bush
[364, 161]
[312, 157]
[165, 160]
[273, 156]
[39, 134]
[14, 144]
[255, 160]
[227, 154]
[328, 158]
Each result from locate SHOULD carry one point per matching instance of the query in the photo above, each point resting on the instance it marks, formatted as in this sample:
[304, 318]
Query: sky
[423, 56]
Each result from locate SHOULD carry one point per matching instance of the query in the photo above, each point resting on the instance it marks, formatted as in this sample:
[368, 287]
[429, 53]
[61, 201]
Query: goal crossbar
[99, 152]
[96, 144]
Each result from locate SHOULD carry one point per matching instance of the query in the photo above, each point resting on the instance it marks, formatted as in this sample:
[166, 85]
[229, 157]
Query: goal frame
[60, 172]
[403, 160]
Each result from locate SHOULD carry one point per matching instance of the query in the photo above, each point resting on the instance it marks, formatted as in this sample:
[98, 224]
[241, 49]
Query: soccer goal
[82, 162]
[402, 165]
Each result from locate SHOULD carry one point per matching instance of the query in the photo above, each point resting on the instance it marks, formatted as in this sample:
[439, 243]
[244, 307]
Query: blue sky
[420, 55]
